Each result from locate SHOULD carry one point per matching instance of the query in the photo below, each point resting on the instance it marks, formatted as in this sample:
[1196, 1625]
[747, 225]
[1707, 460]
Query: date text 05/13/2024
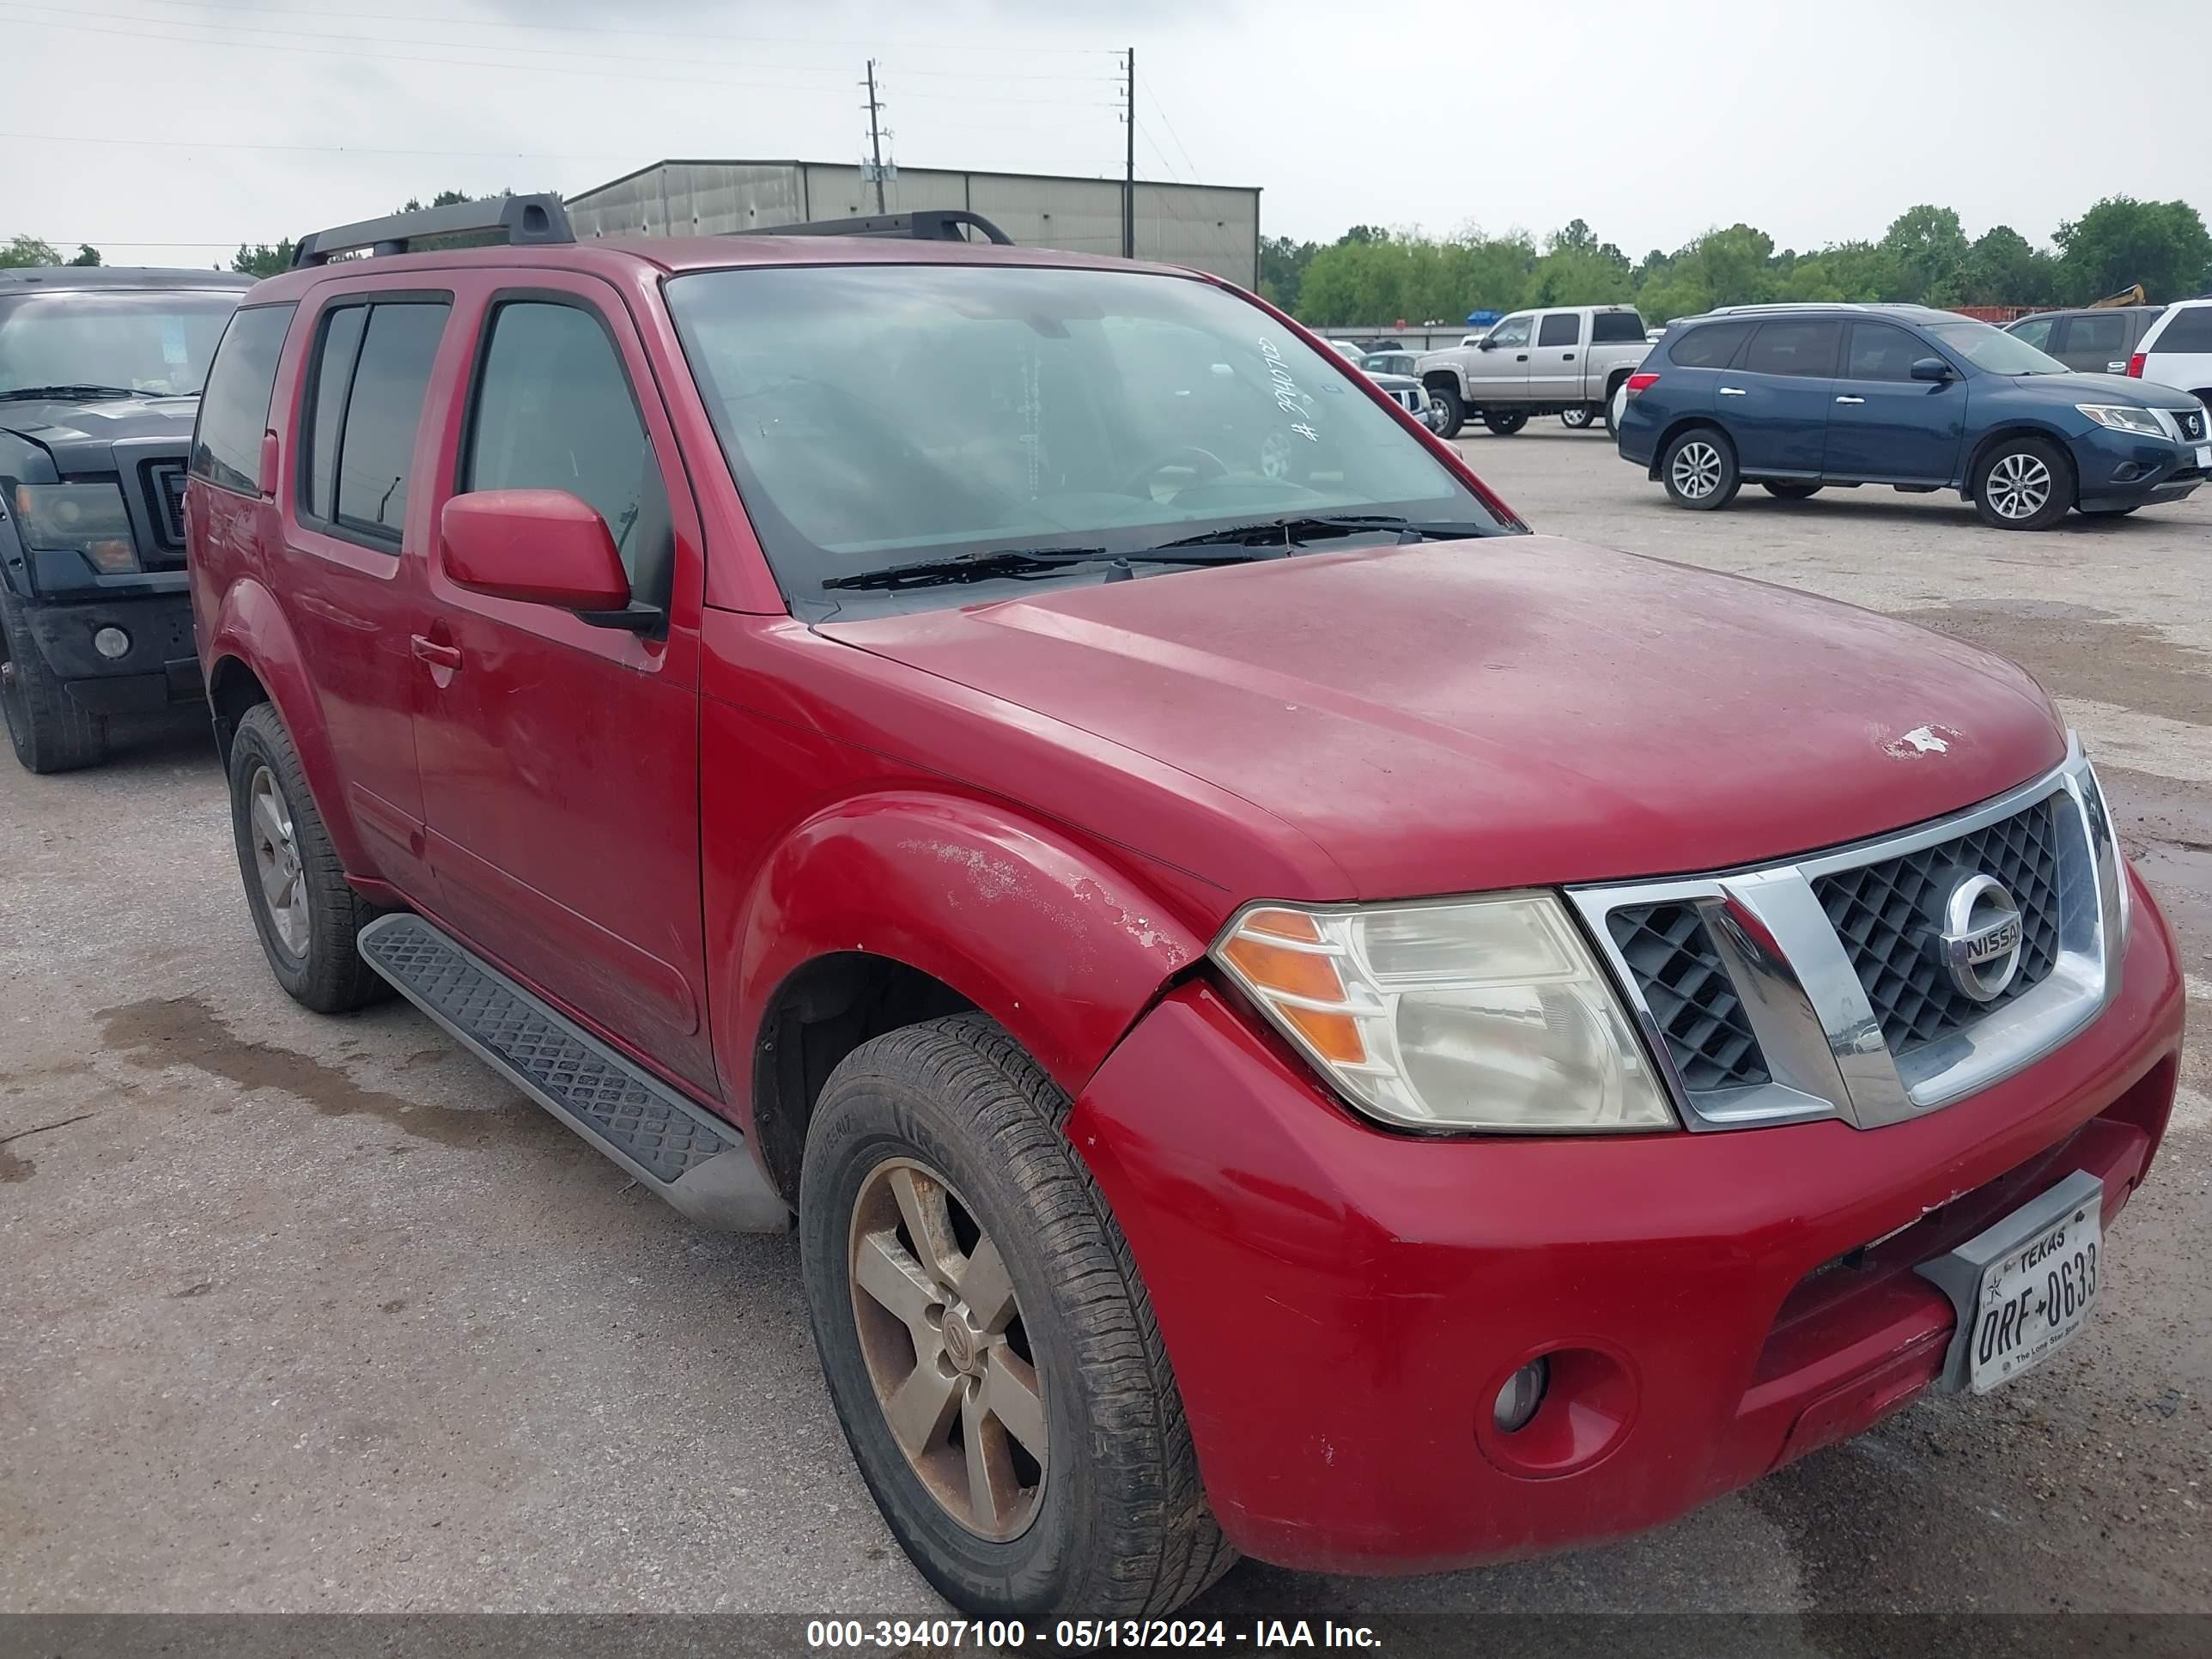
[1084, 1634]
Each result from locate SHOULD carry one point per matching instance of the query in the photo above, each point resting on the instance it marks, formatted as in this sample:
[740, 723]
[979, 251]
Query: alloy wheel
[1275, 456]
[942, 1336]
[2018, 486]
[1697, 471]
[276, 860]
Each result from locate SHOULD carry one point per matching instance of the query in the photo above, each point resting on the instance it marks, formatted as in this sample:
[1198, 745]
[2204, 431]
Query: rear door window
[1616, 328]
[372, 373]
[1879, 352]
[2091, 340]
[554, 410]
[1712, 346]
[1797, 348]
[2188, 330]
[1561, 329]
[235, 408]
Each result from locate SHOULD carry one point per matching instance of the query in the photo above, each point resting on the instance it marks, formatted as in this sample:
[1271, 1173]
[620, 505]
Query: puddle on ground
[2077, 651]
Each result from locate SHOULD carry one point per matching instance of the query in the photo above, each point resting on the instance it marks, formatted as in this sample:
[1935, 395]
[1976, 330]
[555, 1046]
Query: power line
[964, 48]
[1161, 110]
[173, 143]
[599, 71]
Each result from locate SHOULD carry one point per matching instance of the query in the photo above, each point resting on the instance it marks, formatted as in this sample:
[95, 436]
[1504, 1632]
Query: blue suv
[1799, 399]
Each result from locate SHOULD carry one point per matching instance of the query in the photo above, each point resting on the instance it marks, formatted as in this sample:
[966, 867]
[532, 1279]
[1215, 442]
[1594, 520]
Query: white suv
[2177, 350]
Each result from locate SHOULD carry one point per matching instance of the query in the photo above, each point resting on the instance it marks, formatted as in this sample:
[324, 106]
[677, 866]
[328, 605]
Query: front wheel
[51, 731]
[1783, 491]
[1699, 469]
[1505, 422]
[1452, 408]
[2023, 484]
[990, 1350]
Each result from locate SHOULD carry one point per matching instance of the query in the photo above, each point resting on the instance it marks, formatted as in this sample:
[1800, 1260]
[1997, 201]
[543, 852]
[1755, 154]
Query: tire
[1577, 418]
[1116, 1525]
[1699, 469]
[1454, 408]
[323, 971]
[1505, 422]
[51, 731]
[1790, 492]
[2023, 484]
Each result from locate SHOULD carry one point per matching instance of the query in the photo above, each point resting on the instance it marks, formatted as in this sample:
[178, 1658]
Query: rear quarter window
[235, 408]
[2188, 330]
[1712, 346]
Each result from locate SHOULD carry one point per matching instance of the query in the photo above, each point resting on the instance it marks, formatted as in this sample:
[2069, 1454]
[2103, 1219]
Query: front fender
[1059, 946]
[252, 629]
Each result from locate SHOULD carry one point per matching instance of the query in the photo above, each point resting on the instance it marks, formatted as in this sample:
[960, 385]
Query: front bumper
[1341, 1305]
[2117, 469]
[160, 666]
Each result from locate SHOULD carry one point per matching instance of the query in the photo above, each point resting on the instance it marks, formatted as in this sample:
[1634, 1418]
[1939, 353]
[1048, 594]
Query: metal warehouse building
[1213, 228]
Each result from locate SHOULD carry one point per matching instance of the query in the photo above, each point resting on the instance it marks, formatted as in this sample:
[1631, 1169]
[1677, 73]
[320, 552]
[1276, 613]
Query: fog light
[1522, 1393]
[111, 642]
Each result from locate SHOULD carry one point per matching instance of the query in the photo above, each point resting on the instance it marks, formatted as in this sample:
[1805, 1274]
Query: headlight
[78, 518]
[1457, 1014]
[2139, 422]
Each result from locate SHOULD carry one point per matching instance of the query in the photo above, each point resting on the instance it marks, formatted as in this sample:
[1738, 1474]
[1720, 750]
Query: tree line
[1372, 274]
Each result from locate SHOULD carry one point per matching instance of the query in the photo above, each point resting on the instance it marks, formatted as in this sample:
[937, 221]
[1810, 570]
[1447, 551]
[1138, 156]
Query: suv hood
[77, 435]
[1448, 717]
[2071, 389]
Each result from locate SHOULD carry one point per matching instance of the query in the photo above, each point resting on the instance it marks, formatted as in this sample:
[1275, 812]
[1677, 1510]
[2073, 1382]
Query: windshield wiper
[1269, 532]
[1019, 562]
[22, 392]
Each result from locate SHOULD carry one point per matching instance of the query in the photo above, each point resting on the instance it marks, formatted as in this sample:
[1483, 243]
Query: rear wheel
[2023, 484]
[51, 731]
[1453, 407]
[307, 913]
[1576, 418]
[1790, 492]
[1699, 469]
[1505, 422]
[989, 1347]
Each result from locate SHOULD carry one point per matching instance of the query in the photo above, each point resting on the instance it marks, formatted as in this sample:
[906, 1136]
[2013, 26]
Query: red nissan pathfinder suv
[1291, 1015]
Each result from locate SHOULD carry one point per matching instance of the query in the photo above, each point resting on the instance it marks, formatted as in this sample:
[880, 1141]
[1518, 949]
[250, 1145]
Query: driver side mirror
[1485, 343]
[537, 546]
[1930, 369]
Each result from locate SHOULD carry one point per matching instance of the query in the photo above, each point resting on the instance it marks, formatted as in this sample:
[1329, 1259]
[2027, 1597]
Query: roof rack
[931, 225]
[526, 221]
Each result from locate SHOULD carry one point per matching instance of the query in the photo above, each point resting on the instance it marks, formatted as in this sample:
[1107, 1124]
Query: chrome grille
[1692, 1000]
[1888, 914]
[1814, 987]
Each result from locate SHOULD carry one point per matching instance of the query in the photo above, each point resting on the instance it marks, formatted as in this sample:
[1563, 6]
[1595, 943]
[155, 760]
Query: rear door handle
[1733, 392]
[1850, 400]
[1566, 357]
[437, 655]
[2115, 369]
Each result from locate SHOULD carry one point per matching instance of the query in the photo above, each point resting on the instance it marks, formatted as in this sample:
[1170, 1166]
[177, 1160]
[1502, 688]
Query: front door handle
[1566, 357]
[437, 655]
[1850, 400]
[1522, 358]
[1733, 392]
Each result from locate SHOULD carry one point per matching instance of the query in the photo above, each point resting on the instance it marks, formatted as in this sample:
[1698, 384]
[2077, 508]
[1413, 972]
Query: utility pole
[875, 134]
[1129, 172]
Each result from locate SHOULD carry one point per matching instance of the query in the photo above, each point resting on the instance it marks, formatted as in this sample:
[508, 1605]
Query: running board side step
[700, 1165]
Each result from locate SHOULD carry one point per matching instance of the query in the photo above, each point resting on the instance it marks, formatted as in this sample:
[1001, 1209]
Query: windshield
[878, 415]
[1993, 349]
[126, 340]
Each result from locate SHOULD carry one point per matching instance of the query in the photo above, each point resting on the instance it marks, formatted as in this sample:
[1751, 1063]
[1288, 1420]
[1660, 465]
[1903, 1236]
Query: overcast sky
[170, 130]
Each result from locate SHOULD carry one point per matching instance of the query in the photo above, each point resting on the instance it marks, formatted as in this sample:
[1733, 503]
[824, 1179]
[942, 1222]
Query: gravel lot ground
[314, 1315]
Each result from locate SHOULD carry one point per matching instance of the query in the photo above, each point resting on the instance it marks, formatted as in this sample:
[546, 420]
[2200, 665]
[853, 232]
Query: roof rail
[526, 221]
[931, 225]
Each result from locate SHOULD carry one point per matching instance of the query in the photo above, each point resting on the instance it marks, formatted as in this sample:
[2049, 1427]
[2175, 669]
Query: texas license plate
[2036, 1297]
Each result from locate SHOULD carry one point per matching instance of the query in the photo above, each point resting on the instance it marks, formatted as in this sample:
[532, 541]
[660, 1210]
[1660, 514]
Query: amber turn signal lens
[1292, 973]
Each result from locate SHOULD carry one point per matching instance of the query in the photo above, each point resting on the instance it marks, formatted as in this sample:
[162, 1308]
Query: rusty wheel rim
[941, 1334]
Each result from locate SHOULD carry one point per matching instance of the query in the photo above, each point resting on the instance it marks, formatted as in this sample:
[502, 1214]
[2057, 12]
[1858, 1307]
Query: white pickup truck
[1534, 363]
